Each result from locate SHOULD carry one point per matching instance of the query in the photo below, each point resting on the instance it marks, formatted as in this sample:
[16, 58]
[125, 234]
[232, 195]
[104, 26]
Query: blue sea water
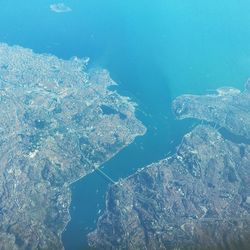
[155, 50]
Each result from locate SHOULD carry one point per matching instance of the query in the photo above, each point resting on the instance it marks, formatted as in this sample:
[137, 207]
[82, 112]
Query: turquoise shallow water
[155, 50]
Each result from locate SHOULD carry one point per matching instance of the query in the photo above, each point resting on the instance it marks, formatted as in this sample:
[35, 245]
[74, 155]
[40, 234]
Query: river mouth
[88, 193]
[164, 134]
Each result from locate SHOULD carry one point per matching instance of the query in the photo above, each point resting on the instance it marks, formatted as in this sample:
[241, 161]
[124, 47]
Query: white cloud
[60, 8]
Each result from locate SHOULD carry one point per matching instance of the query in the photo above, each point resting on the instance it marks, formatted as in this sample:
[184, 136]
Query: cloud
[60, 8]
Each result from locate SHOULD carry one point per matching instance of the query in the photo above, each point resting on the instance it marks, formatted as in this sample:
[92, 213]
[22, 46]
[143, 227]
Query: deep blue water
[155, 50]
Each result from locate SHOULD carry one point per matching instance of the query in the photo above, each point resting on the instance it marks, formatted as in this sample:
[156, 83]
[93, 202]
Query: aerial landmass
[227, 108]
[58, 123]
[198, 198]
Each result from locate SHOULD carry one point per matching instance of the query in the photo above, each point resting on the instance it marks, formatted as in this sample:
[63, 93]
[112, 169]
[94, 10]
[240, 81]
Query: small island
[60, 8]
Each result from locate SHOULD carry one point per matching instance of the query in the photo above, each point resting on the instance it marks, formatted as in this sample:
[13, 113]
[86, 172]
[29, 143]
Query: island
[198, 198]
[60, 8]
[59, 121]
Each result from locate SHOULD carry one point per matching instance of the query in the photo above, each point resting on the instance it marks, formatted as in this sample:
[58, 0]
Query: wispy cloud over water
[60, 8]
